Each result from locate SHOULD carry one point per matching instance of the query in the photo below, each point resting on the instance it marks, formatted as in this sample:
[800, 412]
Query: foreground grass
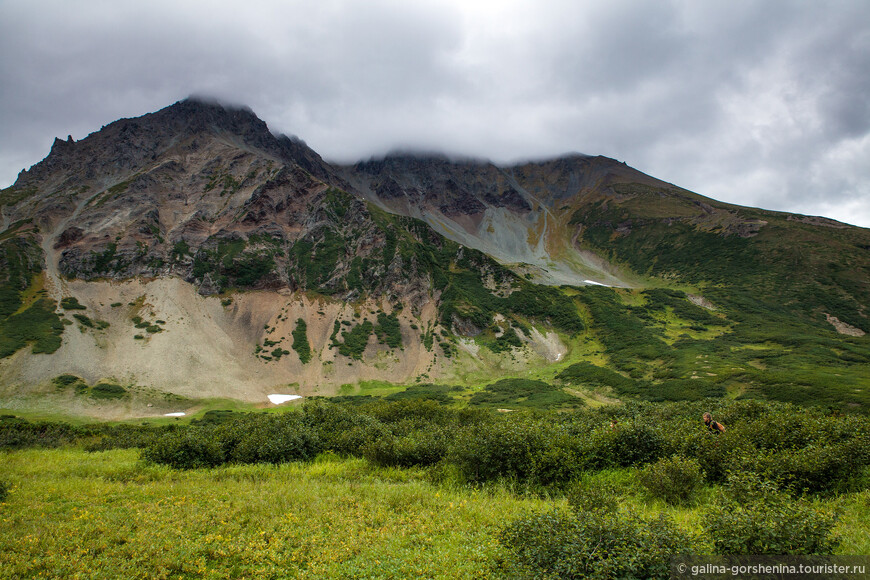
[74, 514]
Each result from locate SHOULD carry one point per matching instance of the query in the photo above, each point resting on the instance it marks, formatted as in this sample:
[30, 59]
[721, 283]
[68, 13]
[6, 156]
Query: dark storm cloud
[758, 103]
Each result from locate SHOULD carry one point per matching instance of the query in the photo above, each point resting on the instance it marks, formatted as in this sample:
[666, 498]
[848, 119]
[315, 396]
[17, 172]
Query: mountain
[192, 253]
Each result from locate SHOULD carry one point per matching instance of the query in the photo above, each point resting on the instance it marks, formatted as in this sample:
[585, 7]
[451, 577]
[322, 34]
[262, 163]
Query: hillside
[190, 254]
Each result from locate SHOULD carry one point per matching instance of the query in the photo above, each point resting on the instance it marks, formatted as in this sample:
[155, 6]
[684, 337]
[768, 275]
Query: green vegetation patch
[12, 195]
[444, 394]
[388, 330]
[20, 262]
[355, 340]
[631, 344]
[179, 250]
[223, 178]
[230, 265]
[300, 341]
[524, 393]
[316, 257]
[66, 381]
[71, 303]
[27, 315]
[38, 325]
[108, 261]
[95, 324]
[108, 391]
[507, 340]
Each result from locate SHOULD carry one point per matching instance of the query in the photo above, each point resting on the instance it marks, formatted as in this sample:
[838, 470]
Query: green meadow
[414, 487]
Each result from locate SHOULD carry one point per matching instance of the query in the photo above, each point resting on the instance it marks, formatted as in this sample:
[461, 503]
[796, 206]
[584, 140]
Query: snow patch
[278, 399]
[178, 414]
[594, 283]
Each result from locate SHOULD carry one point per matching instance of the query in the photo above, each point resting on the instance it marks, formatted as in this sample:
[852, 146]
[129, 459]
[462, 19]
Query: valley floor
[70, 513]
[104, 515]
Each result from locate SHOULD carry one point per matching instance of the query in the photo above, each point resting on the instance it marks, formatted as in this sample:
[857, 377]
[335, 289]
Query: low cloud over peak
[762, 104]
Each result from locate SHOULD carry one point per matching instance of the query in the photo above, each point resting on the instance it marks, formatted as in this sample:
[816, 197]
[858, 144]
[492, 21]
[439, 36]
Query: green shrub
[753, 517]
[65, 381]
[300, 341]
[108, 391]
[593, 544]
[594, 495]
[675, 480]
[429, 391]
[423, 447]
[524, 393]
[38, 324]
[71, 303]
[546, 303]
[84, 320]
[16, 433]
[388, 330]
[4, 490]
[355, 340]
[272, 439]
[214, 417]
[502, 448]
[341, 429]
[126, 437]
[188, 448]
[631, 442]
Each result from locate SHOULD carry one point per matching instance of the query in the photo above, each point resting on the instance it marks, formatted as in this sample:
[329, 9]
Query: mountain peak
[127, 143]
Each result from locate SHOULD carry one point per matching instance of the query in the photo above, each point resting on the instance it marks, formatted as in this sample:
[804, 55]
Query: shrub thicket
[676, 480]
[594, 495]
[753, 517]
[189, 448]
[300, 341]
[504, 447]
[593, 544]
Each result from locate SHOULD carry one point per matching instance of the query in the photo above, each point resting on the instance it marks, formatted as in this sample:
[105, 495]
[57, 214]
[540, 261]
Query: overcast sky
[761, 103]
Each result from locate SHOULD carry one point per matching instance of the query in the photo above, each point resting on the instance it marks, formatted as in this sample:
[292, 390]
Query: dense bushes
[17, 433]
[270, 439]
[524, 393]
[246, 439]
[753, 517]
[108, 391]
[676, 480]
[593, 544]
[300, 341]
[388, 330]
[426, 446]
[800, 450]
[186, 449]
[598, 539]
[505, 447]
[355, 340]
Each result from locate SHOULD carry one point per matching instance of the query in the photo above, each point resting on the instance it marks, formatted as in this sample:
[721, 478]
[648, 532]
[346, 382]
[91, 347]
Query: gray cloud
[758, 103]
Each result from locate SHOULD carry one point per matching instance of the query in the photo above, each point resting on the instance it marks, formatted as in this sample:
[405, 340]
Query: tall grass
[104, 515]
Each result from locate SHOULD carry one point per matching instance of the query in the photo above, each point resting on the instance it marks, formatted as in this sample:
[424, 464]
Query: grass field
[74, 514]
[77, 514]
